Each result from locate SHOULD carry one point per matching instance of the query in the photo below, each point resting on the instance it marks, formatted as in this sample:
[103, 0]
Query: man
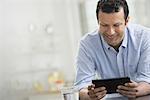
[116, 49]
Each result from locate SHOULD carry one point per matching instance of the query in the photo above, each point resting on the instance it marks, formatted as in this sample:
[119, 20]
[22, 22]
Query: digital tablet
[111, 84]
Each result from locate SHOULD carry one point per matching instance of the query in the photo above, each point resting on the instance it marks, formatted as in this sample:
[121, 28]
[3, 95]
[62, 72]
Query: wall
[37, 37]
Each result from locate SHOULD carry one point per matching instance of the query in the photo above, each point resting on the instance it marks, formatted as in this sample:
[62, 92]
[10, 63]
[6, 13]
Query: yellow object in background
[56, 81]
[38, 87]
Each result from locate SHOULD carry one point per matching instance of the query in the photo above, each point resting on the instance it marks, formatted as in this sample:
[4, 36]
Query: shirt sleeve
[85, 66]
[144, 62]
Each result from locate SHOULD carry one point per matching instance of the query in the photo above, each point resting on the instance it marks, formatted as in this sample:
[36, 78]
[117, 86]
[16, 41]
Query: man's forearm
[83, 94]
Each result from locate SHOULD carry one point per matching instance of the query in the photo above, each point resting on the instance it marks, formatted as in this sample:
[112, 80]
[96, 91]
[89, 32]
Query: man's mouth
[109, 37]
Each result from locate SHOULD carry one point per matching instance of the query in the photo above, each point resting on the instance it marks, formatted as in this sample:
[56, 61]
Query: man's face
[112, 26]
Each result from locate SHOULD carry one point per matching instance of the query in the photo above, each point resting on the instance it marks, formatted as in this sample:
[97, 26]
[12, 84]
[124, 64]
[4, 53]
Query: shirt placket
[120, 63]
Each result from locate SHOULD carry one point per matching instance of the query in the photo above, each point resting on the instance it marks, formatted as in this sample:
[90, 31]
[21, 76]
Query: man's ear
[127, 20]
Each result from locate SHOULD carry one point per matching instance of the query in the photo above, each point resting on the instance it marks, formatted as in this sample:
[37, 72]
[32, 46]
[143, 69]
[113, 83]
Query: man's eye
[117, 25]
[104, 25]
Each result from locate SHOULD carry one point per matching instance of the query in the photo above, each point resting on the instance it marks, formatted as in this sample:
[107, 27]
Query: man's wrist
[83, 94]
[143, 88]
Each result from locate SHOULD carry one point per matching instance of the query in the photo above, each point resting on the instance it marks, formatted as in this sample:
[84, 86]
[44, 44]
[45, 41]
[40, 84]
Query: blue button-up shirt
[96, 57]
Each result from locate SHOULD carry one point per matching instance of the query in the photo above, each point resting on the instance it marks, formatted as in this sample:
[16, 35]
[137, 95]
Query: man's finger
[125, 88]
[132, 85]
[91, 87]
[99, 89]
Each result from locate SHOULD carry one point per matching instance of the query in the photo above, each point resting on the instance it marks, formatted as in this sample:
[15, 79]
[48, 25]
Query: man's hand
[133, 90]
[96, 93]
[129, 90]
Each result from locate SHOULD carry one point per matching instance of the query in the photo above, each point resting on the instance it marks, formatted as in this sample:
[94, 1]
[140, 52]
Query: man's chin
[112, 44]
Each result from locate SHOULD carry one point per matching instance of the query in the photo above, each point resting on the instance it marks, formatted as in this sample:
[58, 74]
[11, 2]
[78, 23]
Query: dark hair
[111, 6]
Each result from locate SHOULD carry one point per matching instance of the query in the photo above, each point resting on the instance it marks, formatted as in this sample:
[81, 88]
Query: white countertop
[52, 96]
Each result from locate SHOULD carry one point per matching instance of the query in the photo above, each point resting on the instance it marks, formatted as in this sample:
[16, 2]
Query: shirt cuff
[83, 85]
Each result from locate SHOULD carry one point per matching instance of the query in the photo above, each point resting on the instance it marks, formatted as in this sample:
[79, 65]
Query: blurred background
[39, 40]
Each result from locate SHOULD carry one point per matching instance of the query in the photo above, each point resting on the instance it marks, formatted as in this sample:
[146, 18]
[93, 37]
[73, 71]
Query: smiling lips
[109, 36]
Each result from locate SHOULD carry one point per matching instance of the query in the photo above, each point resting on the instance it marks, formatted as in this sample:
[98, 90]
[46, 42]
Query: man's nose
[110, 31]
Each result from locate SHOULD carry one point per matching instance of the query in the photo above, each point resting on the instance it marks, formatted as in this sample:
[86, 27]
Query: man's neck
[117, 47]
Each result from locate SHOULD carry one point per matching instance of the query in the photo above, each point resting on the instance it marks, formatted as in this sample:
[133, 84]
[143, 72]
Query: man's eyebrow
[119, 23]
[103, 23]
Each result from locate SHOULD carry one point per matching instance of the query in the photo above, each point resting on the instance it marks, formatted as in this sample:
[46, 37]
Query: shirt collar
[124, 43]
[125, 40]
[103, 42]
